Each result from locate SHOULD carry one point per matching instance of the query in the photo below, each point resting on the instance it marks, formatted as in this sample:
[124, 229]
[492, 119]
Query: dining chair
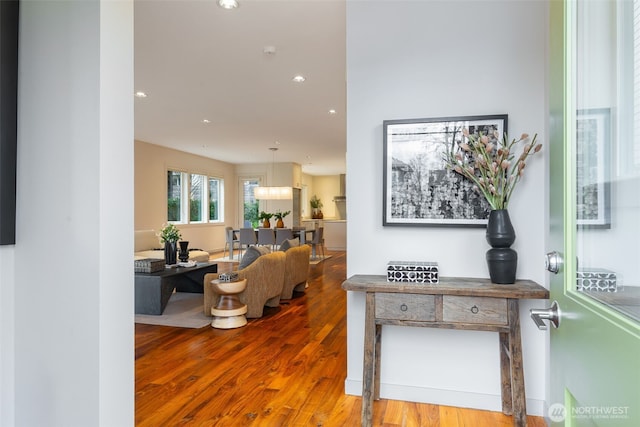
[266, 237]
[283, 234]
[317, 241]
[301, 233]
[247, 238]
[231, 242]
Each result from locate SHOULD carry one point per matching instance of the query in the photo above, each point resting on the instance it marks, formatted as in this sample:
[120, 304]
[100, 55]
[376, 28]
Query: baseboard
[434, 396]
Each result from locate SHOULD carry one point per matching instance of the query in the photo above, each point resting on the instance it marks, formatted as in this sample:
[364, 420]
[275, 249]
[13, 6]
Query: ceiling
[197, 61]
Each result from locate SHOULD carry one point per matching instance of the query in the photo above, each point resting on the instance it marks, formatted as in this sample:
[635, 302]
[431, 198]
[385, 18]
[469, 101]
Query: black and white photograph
[418, 189]
[592, 168]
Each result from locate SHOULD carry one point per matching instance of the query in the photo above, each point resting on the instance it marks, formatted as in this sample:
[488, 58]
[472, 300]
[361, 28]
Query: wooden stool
[229, 312]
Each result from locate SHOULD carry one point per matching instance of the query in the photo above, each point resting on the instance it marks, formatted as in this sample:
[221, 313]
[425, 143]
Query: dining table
[305, 235]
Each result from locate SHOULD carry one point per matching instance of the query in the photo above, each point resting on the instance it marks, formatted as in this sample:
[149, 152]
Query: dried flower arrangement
[489, 164]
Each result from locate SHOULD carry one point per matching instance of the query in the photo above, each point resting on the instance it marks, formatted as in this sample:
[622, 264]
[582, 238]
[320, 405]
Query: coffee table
[153, 290]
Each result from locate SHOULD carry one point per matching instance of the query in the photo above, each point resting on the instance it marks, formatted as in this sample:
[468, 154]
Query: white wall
[66, 287]
[419, 59]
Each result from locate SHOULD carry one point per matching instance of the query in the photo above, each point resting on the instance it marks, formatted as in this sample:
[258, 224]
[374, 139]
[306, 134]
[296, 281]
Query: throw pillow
[291, 243]
[251, 254]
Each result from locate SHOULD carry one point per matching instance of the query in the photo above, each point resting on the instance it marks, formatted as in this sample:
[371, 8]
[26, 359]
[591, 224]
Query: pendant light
[273, 193]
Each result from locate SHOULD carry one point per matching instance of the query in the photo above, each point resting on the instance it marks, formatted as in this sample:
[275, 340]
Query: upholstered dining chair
[283, 234]
[266, 237]
[231, 242]
[247, 238]
[317, 241]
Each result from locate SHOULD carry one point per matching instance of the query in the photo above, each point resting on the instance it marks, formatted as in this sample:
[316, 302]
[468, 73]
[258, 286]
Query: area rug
[184, 310]
[318, 259]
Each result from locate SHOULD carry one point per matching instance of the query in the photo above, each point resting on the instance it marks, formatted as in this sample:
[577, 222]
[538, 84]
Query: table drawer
[392, 306]
[460, 309]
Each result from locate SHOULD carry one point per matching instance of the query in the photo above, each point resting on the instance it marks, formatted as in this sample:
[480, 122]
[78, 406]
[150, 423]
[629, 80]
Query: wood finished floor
[285, 369]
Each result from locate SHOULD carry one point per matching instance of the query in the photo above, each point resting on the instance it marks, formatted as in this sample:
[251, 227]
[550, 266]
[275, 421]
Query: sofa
[147, 245]
[265, 278]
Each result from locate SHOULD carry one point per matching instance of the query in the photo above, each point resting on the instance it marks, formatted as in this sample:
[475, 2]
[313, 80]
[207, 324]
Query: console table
[454, 303]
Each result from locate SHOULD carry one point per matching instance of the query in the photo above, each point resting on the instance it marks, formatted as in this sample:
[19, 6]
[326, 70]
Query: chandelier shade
[273, 193]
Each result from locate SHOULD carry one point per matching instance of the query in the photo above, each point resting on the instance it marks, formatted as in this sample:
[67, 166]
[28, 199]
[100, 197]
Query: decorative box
[597, 279]
[148, 265]
[412, 271]
[228, 277]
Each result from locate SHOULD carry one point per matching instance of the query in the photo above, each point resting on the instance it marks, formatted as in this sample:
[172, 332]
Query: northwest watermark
[558, 412]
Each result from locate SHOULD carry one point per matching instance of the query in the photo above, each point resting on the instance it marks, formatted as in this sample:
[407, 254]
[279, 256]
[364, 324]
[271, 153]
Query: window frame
[186, 186]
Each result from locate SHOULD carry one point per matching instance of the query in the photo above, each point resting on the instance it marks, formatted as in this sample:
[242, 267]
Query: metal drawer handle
[404, 307]
[475, 309]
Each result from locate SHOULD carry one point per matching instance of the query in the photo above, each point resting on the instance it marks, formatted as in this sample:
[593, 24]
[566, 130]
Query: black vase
[184, 251]
[501, 259]
[170, 253]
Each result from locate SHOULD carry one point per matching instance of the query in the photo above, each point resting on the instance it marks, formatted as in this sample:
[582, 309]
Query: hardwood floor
[285, 369]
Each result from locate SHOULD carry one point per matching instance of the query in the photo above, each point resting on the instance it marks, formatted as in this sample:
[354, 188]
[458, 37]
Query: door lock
[553, 262]
[552, 314]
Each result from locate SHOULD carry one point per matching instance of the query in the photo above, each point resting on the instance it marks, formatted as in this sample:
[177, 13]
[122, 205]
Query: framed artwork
[8, 120]
[418, 190]
[593, 163]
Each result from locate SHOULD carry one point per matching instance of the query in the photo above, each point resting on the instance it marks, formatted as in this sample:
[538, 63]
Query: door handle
[552, 314]
[553, 262]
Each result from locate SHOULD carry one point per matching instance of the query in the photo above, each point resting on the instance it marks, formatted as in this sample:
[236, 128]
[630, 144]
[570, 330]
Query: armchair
[296, 270]
[265, 278]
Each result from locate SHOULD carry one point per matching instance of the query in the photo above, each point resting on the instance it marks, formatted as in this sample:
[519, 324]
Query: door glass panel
[607, 153]
[249, 203]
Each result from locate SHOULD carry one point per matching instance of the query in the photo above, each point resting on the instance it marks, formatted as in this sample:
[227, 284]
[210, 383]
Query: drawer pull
[475, 309]
[404, 307]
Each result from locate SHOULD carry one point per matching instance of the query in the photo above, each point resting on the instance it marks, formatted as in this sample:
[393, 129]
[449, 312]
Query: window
[187, 200]
[195, 198]
[215, 196]
[174, 196]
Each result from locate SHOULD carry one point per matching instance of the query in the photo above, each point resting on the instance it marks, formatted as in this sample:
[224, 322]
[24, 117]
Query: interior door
[595, 212]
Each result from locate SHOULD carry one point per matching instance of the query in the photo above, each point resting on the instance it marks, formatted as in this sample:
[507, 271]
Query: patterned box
[228, 277]
[412, 271]
[148, 265]
[597, 279]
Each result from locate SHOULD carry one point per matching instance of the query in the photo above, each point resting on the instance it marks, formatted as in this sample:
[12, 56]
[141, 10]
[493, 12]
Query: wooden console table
[454, 303]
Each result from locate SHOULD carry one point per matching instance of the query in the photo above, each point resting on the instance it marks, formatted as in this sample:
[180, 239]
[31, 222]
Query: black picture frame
[417, 188]
[593, 168]
[9, 11]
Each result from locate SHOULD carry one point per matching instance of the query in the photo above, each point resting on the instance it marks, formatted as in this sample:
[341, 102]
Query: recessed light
[299, 79]
[228, 4]
[140, 94]
[206, 121]
[332, 111]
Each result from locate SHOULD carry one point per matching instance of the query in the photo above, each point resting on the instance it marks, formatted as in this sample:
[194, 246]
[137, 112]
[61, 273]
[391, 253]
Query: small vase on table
[170, 253]
[184, 251]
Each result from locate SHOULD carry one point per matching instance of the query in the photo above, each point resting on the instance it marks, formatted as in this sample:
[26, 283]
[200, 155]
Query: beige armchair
[296, 271]
[265, 278]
